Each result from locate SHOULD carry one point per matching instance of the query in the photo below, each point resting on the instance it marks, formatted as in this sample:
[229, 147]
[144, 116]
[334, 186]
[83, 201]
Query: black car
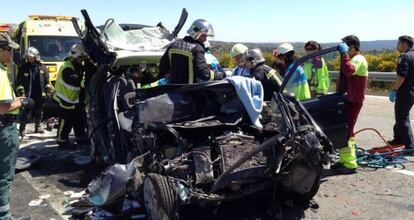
[199, 144]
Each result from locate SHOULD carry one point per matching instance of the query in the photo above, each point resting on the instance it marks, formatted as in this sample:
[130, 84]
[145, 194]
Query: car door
[329, 110]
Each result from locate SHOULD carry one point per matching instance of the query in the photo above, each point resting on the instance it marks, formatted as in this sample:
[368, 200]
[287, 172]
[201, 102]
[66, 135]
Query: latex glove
[343, 48]
[392, 95]
[27, 103]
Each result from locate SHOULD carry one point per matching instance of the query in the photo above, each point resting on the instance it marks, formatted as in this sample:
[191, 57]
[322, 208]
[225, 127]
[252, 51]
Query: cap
[6, 41]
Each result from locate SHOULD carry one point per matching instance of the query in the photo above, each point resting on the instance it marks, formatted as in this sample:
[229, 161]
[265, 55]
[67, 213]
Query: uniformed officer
[33, 82]
[69, 93]
[9, 136]
[184, 61]
[402, 93]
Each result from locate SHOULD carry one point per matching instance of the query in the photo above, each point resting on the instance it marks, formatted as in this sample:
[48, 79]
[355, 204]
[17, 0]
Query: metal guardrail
[372, 76]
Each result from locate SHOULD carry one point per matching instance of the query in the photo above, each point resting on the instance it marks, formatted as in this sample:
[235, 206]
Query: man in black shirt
[403, 93]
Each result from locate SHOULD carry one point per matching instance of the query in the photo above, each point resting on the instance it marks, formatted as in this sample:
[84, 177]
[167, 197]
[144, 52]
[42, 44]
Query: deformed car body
[199, 144]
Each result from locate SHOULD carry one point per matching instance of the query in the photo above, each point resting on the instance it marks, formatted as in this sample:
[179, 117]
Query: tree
[226, 60]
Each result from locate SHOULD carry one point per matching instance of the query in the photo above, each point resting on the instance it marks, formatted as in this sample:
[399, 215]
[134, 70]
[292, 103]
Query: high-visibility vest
[318, 78]
[360, 64]
[6, 89]
[66, 95]
[298, 84]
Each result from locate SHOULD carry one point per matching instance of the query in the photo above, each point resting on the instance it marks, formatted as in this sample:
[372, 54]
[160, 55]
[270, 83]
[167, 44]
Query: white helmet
[200, 26]
[254, 55]
[32, 52]
[238, 49]
[77, 50]
[285, 48]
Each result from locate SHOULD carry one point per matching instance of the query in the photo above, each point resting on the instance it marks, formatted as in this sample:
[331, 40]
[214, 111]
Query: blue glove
[343, 48]
[392, 95]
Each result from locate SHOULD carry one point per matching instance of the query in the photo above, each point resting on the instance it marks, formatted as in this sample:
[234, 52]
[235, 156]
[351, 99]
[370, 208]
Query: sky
[244, 20]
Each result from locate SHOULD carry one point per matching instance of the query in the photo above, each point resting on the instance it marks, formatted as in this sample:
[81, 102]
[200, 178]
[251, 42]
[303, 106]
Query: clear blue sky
[243, 20]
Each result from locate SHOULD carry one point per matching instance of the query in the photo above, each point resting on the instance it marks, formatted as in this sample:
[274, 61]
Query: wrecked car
[201, 144]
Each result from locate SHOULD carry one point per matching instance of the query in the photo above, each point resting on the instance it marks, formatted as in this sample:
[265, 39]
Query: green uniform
[317, 74]
[9, 143]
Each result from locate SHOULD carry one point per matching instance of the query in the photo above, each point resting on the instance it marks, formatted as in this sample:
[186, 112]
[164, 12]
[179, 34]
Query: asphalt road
[369, 194]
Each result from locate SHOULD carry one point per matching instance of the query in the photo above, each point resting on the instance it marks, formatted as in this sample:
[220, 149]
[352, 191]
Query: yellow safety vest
[66, 95]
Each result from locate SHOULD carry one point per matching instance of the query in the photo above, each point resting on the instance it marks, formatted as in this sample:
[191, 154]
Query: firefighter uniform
[185, 61]
[270, 80]
[33, 80]
[70, 97]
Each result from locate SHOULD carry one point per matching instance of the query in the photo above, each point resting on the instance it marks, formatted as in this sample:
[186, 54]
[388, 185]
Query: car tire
[303, 198]
[161, 199]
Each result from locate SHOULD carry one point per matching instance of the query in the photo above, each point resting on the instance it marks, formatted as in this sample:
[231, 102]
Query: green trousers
[9, 146]
[347, 155]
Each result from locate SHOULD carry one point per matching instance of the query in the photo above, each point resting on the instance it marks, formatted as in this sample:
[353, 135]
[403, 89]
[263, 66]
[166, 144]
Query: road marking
[377, 96]
[405, 172]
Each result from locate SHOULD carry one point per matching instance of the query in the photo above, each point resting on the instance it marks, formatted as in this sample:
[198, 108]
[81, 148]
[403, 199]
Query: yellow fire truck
[53, 36]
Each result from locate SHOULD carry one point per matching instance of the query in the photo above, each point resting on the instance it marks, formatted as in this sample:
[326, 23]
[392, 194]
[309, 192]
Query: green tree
[226, 60]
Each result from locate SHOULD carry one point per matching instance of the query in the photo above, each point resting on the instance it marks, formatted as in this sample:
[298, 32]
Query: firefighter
[184, 62]
[353, 80]
[69, 94]
[298, 83]
[402, 93]
[316, 71]
[33, 82]
[9, 136]
[236, 53]
[255, 64]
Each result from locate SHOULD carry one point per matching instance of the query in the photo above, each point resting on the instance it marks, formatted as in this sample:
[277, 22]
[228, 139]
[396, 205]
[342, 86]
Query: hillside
[377, 45]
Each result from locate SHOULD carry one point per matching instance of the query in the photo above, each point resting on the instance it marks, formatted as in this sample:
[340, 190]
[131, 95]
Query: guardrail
[372, 76]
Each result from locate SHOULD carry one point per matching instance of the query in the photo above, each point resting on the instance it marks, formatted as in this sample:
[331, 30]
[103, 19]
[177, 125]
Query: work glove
[392, 95]
[343, 48]
[27, 103]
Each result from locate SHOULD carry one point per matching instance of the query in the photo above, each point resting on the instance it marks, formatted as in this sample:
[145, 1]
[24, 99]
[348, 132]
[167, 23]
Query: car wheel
[160, 198]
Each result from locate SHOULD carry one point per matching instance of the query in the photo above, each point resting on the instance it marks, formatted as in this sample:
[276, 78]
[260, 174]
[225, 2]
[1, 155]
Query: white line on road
[377, 96]
[405, 172]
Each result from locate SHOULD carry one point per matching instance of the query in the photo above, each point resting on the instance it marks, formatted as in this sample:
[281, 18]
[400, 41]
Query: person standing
[33, 82]
[9, 136]
[255, 64]
[236, 53]
[298, 83]
[70, 97]
[353, 80]
[184, 60]
[316, 71]
[402, 93]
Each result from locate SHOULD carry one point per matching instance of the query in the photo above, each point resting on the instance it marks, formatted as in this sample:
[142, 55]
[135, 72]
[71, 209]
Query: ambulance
[53, 36]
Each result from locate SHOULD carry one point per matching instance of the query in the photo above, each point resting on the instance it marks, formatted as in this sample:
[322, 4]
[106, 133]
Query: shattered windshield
[145, 39]
[53, 48]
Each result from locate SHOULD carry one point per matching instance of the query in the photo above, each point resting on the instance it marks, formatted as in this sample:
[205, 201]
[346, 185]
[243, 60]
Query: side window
[315, 77]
